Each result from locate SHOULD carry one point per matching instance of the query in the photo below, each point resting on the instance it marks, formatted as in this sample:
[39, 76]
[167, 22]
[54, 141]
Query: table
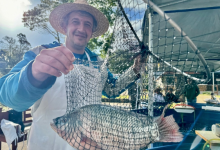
[211, 108]
[184, 109]
[208, 135]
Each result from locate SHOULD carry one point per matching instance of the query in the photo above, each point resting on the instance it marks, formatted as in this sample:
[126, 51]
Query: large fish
[105, 127]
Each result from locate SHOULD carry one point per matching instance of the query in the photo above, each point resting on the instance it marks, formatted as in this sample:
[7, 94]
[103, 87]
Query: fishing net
[102, 95]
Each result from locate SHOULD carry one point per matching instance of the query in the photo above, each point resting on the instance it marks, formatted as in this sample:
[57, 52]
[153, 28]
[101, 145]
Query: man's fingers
[57, 55]
[66, 52]
[53, 62]
[46, 69]
[141, 58]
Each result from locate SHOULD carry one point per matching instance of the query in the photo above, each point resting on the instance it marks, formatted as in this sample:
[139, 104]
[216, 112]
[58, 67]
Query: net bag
[90, 124]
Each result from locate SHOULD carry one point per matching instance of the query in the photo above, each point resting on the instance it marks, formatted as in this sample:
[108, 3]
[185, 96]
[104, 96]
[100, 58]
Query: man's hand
[138, 63]
[52, 62]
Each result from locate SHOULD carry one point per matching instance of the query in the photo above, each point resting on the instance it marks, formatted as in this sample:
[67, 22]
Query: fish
[98, 127]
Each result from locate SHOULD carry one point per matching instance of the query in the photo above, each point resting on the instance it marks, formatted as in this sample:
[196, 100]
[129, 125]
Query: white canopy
[200, 20]
[168, 5]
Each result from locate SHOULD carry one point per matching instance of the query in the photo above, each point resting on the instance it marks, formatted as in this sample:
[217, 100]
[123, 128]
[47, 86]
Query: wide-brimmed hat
[57, 16]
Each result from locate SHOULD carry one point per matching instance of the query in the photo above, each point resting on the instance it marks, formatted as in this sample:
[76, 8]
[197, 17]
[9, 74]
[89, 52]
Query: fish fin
[168, 128]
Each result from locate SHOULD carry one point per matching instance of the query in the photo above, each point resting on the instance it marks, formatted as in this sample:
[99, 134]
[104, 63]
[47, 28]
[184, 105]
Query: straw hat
[57, 15]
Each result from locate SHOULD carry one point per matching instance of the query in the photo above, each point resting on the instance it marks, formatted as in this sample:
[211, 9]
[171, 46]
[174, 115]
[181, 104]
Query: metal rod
[150, 69]
[172, 3]
[213, 83]
[177, 70]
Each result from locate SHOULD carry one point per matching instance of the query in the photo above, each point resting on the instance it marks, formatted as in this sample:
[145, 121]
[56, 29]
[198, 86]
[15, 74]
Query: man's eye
[75, 22]
[89, 25]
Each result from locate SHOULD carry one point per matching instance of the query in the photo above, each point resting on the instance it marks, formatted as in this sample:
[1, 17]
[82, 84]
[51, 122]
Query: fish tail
[168, 128]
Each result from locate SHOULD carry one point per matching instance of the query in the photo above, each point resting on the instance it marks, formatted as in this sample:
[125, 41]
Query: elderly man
[38, 79]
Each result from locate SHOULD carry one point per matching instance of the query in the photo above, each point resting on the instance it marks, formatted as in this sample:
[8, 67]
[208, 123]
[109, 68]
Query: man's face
[79, 30]
[189, 81]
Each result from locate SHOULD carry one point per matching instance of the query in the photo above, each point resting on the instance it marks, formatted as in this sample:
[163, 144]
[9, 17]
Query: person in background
[158, 96]
[213, 96]
[191, 91]
[170, 97]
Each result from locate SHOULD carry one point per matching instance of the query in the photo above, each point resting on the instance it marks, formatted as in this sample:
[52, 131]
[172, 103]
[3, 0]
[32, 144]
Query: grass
[127, 97]
[207, 93]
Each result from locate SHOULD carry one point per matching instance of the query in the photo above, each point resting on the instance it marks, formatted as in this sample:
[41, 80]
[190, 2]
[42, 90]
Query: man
[37, 80]
[191, 91]
[170, 97]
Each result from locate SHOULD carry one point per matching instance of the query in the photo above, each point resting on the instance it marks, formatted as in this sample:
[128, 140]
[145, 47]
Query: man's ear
[65, 29]
[64, 26]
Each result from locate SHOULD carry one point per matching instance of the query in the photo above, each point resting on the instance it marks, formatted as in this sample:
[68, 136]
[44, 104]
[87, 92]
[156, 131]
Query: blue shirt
[17, 92]
[78, 55]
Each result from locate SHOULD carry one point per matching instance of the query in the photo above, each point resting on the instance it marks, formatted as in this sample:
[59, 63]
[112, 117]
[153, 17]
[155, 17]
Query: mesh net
[102, 95]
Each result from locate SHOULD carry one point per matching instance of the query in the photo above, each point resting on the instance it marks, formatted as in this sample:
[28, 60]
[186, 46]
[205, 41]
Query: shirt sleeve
[16, 91]
[115, 86]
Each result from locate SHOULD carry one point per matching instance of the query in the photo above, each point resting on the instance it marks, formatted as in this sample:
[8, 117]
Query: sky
[11, 12]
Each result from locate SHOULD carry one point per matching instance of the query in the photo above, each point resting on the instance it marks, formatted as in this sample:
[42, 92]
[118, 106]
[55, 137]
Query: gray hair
[66, 18]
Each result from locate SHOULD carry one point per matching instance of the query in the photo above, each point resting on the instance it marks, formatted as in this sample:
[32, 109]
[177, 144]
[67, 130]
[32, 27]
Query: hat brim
[57, 15]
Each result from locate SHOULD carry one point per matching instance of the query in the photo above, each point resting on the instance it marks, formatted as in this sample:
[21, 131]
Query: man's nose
[81, 28]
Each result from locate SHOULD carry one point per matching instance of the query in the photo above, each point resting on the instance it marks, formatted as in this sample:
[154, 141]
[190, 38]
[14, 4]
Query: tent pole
[150, 71]
[136, 106]
[213, 83]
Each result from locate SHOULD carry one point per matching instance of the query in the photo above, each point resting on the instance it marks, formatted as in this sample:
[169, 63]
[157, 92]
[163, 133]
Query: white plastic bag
[9, 131]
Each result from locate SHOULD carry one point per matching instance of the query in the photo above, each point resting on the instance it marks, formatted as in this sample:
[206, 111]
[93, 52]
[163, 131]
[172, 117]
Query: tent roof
[200, 20]
[171, 5]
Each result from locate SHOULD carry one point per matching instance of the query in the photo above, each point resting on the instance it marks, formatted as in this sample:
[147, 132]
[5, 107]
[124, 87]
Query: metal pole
[136, 106]
[150, 69]
[213, 83]
[150, 72]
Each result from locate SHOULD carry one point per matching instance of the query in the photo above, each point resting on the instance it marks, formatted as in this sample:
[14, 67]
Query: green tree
[38, 19]
[24, 45]
[119, 61]
[13, 49]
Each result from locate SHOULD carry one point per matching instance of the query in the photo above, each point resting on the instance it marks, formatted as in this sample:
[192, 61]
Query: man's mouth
[80, 35]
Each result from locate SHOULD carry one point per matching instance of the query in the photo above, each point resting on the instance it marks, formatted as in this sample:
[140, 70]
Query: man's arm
[16, 91]
[115, 86]
[30, 79]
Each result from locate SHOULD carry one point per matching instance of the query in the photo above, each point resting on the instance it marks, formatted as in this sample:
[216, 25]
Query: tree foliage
[120, 61]
[38, 19]
[12, 50]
